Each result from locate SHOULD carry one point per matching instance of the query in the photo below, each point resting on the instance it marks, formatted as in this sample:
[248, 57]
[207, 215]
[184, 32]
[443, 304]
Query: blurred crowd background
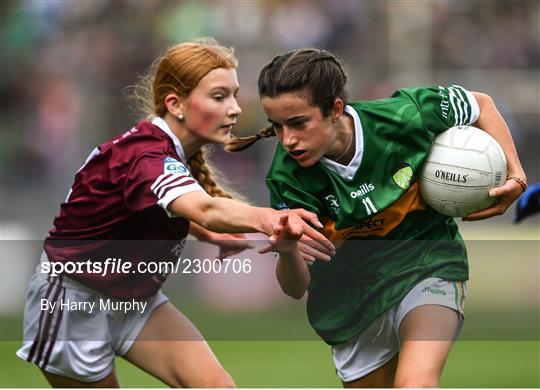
[65, 66]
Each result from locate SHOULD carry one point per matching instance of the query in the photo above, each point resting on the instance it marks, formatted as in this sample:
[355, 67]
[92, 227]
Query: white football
[463, 165]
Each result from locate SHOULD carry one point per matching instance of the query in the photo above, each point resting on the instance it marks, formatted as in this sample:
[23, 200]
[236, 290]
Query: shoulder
[143, 135]
[375, 113]
[410, 101]
[427, 90]
[435, 93]
[143, 139]
[399, 99]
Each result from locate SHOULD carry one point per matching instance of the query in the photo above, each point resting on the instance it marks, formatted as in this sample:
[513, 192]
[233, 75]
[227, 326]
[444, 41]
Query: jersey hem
[343, 337]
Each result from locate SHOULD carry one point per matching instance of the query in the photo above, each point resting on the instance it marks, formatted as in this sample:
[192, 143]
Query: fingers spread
[309, 217]
[319, 240]
[313, 254]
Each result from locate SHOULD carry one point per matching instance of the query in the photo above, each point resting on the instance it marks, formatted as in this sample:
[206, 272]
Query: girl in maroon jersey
[138, 187]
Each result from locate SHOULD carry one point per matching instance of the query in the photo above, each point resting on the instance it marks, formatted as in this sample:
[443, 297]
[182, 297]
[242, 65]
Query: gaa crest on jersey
[402, 175]
[173, 166]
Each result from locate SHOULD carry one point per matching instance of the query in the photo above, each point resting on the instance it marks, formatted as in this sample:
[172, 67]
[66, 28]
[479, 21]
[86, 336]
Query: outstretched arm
[492, 122]
[224, 215]
[291, 271]
[229, 244]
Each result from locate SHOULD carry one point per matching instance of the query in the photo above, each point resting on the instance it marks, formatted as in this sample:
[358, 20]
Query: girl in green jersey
[390, 301]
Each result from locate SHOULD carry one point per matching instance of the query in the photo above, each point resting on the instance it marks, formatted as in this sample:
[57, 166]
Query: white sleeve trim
[475, 108]
[456, 107]
[175, 193]
[161, 189]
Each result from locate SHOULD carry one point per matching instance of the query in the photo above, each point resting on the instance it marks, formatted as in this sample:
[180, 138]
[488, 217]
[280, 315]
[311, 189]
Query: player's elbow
[483, 99]
[294, 291]
[295, 294]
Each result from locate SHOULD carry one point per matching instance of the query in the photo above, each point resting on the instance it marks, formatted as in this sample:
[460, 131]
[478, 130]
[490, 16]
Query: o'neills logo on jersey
[451, 176]
[362, 190]
[436, 291]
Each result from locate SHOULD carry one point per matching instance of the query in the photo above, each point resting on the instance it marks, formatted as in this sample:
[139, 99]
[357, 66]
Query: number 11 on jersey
[370, 208]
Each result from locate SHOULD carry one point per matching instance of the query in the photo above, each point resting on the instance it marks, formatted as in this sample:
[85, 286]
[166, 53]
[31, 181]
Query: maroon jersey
[121, 193]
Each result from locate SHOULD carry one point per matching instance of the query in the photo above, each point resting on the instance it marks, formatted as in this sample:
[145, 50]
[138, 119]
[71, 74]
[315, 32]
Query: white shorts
[379, 342]
[79, 342]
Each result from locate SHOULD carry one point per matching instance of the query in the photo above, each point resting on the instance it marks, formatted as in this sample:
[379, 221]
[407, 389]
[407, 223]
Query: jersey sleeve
[443, 107]
[157, 179]
[287, 196]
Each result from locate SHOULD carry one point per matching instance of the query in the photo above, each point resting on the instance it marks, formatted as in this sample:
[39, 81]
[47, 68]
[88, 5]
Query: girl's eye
[219, 97]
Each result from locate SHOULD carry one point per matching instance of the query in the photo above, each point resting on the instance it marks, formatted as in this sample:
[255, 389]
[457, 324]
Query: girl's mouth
[297, 154]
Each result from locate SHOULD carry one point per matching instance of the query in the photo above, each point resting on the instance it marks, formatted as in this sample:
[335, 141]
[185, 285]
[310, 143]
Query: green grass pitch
[308, 364]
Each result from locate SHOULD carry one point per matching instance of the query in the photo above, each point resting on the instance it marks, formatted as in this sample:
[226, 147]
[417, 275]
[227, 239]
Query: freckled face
[211, 109]
[302, 130]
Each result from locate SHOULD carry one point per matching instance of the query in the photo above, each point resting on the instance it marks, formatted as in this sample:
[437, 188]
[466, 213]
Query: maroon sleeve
[156, 179]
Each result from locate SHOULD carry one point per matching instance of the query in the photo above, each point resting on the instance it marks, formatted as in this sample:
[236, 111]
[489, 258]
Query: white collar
[348, 171]
[160, 122]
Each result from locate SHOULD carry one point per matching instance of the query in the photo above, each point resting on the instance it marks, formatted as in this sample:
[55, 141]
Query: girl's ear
[337, 110]
[174, 104]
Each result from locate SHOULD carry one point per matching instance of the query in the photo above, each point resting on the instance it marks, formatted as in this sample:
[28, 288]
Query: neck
[190, 143]
[346, 151]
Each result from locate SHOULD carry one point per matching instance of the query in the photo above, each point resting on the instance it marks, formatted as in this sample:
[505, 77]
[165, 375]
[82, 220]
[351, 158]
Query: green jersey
[388, 239]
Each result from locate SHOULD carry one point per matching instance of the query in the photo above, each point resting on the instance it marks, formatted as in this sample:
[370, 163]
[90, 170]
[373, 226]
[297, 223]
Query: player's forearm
[224, 215]
[492, 122]
[200, 233]
[293, 274]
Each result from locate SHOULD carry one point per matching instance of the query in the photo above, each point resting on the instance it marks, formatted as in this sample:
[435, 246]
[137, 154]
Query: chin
[306, 163]
[221, 140]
